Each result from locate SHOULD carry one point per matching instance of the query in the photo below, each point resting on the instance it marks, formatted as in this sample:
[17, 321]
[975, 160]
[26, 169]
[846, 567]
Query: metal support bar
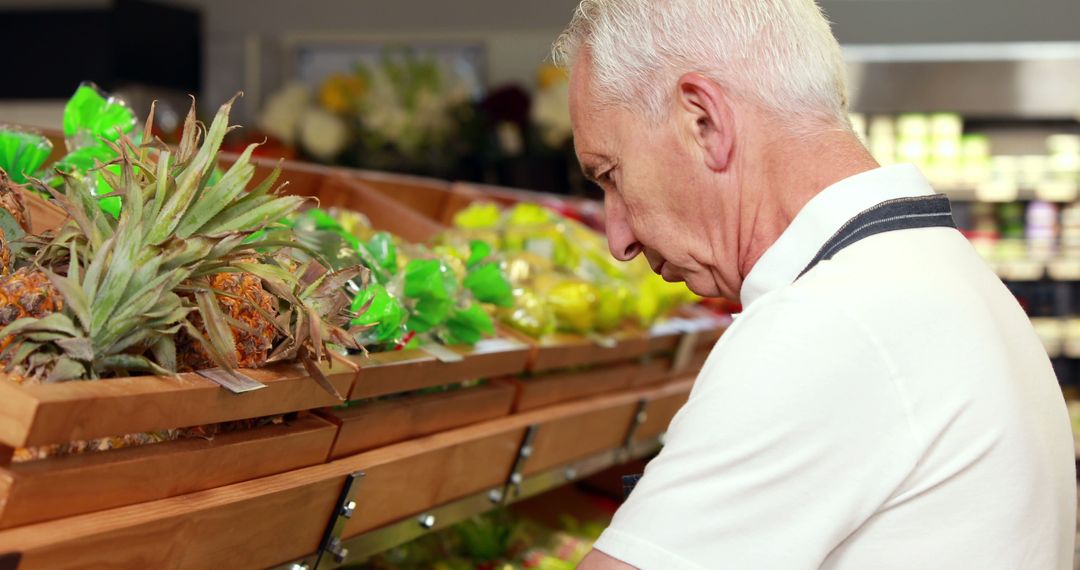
[10, 560]
[362, 547]
[513, 482]
[331, 547]
[684, 350]
[331, 552]
[640, 417]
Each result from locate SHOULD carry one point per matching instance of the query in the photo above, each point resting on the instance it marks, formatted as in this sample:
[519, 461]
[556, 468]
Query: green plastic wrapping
[431, 286]
[22, 153]
[385, 316]
[488, 284]
[468, 325]
[90, 118]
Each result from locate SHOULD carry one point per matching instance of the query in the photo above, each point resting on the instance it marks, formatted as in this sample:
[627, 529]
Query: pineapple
[5, 254]
[176, 259]
[26, 293]
[249, 309]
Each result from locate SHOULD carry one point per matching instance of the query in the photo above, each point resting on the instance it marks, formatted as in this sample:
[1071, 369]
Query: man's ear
[706, 107]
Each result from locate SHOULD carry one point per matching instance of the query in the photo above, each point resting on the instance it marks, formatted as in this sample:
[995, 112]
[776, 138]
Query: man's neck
[797, 169]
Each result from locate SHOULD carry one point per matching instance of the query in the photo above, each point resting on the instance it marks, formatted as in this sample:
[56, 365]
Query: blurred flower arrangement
[409, 113]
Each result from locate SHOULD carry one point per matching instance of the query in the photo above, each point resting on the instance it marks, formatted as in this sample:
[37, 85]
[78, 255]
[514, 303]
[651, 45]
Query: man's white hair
[778, 53]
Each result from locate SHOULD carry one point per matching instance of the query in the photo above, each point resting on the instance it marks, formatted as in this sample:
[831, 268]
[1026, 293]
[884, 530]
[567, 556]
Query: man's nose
[621, 241]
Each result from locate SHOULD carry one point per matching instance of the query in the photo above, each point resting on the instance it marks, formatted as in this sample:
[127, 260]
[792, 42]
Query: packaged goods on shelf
[564, 276]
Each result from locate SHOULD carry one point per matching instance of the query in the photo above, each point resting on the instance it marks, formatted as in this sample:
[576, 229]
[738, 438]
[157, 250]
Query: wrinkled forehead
[586, 113]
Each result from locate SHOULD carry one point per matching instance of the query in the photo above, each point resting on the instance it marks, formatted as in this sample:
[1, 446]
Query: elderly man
[882, 402]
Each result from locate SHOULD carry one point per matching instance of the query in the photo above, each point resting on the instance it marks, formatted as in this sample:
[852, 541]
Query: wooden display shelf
[47, 489]
[561, 351]
[382, 422]
[72, 411]
[283, 517]
[564, 386]
[391, 372]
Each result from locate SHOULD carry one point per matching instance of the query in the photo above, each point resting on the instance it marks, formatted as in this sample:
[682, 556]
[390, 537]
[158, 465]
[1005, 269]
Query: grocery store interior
[479, 374]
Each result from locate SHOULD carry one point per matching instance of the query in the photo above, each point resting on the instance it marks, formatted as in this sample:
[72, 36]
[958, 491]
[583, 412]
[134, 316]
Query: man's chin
[704, 288]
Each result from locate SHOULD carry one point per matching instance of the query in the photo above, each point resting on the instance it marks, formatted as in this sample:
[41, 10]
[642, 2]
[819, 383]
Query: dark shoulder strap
[893, 215]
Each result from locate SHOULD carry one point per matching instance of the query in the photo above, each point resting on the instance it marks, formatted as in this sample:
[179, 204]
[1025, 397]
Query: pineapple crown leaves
[131, 283]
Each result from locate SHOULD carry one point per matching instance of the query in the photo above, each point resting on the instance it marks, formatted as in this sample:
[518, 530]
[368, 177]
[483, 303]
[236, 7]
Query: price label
[490, 345]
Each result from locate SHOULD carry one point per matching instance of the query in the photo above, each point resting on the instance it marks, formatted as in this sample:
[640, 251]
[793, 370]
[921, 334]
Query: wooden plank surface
[378, 423]
[573, 437]
[652, 370]
[78, 484]
[17, 410]
[662, 407]
[557, 387]
[425, 196]
[278, 518]
[402, 371]
[83, 410]
[565, 351]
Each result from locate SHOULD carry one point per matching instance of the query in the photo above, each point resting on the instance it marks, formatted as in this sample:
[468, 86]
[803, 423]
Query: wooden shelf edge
[95, 481]
[73, 411]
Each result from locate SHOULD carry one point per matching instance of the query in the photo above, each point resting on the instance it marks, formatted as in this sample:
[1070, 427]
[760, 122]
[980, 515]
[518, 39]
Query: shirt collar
[822, 217]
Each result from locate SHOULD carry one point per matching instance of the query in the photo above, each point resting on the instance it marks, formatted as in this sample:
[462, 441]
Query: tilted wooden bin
[283, 517]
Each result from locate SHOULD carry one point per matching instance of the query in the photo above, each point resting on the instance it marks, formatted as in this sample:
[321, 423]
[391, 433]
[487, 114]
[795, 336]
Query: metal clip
[513, 483]
[641, 415]
[343, 511]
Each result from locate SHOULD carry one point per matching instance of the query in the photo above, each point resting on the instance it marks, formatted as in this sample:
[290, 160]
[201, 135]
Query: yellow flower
[340, 91]
[549, 75]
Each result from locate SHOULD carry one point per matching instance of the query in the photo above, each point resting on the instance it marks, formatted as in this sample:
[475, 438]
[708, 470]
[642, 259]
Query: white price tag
[490, 345]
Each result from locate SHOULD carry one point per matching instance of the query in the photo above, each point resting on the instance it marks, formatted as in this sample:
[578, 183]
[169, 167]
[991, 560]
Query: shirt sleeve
[795, 433]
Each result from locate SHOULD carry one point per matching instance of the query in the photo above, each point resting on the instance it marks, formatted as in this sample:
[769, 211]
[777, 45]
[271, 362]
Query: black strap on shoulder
[894, 215]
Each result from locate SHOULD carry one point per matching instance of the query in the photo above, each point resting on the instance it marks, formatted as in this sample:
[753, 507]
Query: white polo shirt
[892, 409]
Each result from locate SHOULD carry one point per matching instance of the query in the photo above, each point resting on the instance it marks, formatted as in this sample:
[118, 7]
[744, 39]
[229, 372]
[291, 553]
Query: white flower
[323, 134]
[280, 116]
[551, 112]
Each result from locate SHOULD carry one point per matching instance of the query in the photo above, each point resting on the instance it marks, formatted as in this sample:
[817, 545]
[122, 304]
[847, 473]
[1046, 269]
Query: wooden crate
[561, 350]
[378, 423]
[391, 372]
[71, 411]
[555, 388]
[52, 488]
[662, 407]
[282, 517]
